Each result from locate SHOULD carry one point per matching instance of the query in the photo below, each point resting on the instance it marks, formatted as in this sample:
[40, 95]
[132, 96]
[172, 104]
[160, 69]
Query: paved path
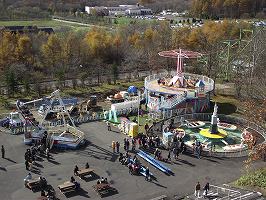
[188, 170]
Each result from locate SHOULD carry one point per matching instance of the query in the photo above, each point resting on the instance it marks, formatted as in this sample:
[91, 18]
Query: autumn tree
[52, 53]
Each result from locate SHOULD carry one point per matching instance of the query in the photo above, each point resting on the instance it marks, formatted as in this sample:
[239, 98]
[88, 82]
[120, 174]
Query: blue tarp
[132, 89]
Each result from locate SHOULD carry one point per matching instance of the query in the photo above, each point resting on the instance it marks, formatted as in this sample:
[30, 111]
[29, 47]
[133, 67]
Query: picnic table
[67, 187]
[84, 172]
[103, 189]
[33, 183]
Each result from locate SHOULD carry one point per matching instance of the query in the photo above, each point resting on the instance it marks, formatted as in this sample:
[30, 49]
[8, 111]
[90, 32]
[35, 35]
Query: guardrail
[207, 117]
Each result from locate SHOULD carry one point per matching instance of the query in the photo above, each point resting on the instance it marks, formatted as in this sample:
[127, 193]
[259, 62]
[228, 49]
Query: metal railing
[209, 83]
[228, 192]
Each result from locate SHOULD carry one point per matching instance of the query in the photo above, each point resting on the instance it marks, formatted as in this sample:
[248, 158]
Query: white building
[120, 10]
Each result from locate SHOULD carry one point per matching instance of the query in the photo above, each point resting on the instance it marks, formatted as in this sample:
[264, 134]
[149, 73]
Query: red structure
[180, 55]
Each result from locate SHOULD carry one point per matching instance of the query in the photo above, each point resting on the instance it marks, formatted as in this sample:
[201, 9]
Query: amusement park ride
[167, 93]
[64, 135]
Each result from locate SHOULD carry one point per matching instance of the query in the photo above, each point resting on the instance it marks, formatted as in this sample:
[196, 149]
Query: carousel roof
[176, 52]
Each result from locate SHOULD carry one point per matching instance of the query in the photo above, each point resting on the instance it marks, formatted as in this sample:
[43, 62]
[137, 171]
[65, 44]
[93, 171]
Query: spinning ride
[166, 93]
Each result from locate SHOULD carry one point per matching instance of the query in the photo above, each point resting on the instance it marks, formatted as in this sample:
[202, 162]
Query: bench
[104, 189]
[33, 184]
[84, 172]
[162, 197]
[67, 187]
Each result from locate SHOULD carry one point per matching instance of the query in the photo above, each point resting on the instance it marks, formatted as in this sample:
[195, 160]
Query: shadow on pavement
[3, 168]
[10, 160]
[186, 162]
[53, 162]
[98, 153]
[80, 192]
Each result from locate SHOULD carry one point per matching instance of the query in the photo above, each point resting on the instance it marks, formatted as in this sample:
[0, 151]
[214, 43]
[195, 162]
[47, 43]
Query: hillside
[67, 5]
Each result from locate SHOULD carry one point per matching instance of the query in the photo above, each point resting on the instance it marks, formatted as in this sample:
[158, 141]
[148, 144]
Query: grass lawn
[253, 180]
[103, 89]
[45, 23]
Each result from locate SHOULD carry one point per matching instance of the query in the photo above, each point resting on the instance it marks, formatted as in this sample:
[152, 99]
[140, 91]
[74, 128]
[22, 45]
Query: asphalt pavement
[188, 170]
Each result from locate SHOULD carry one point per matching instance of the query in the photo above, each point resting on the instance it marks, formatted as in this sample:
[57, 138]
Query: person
[182, 146]
[27, 164]
[169, 155]
[43, 193]
[139, 141]
[3, 151]
[206, 189]
[51, 194]
[27, 178]
[102, 180]
[130, 168]
[127, 144]
[147, 174]
[47, 153]
[87, 166]
[197, 190]
[76, 170]
[43, 182]
[117, 146]
[108, 125]
[146, 128]
[113, 146]
[156, 152]
[133, 144]
[105, 180]
[121, 157]
[72, 180]
[98, 182]
[159, 155]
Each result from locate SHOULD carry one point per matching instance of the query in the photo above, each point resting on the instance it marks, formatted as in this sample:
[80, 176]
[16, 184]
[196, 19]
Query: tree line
[228, 8]
[32, 58]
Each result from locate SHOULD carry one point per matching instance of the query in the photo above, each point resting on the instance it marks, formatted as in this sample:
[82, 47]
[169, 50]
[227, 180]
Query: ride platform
[207, 134]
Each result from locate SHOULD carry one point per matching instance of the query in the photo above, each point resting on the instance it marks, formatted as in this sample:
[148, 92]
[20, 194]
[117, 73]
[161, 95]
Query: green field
[56, 25]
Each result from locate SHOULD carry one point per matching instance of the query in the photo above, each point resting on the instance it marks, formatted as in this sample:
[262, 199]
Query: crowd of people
[38, 148]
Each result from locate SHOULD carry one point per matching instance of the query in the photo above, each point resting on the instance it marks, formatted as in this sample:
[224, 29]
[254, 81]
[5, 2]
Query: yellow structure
[129, 128]
[207, 134]
[133, 130]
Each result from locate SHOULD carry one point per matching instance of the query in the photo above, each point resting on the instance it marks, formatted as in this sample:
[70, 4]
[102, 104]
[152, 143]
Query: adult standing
[113, 146]
[146, 128]
[206, 189]
[147, 173]
[3, 151]
[117, 146]
[108, 126]
[197, 190]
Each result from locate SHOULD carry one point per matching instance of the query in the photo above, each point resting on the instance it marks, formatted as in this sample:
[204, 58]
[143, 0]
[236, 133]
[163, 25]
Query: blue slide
[154, 162]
